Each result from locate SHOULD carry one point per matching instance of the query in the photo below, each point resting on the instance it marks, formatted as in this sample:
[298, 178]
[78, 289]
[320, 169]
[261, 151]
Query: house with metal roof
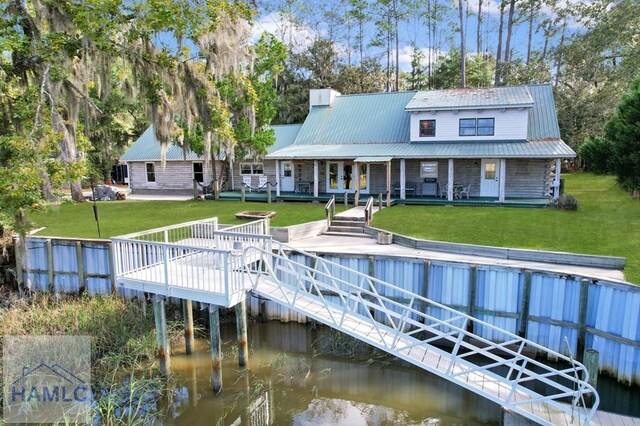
[181, 167]
[488, 143]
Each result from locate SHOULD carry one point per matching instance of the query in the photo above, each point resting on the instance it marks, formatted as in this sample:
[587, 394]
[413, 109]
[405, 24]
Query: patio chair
[464, 191]
[444, 190]
[262, 183]
[246, 181]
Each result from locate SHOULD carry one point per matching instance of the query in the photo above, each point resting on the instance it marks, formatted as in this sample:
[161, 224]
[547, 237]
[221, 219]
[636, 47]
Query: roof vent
[322, 97]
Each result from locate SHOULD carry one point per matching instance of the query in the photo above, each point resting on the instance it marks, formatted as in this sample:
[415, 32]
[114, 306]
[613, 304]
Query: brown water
[293, 381]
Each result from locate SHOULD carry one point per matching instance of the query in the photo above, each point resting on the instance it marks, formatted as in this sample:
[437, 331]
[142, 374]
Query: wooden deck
[261, 197]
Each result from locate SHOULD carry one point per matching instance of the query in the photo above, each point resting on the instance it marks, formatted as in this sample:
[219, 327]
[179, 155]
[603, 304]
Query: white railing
[330, 210]
[191, 259]
[197, 232]
[368, 210]
[257, 227]
[402, 321]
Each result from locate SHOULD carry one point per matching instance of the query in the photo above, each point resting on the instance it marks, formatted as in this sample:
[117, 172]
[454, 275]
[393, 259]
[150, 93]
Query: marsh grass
[126, 384]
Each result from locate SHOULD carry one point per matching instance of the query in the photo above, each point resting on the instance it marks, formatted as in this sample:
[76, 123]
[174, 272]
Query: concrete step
[347, 234]
[349, 218]
[347, 223]
[348, 229]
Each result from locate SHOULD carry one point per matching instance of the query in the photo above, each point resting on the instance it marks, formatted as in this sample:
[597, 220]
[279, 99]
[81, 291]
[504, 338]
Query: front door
[341, 177]
[490, 178]
[286, 176]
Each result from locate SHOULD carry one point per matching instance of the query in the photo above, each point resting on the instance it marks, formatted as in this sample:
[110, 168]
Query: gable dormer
[470, 115]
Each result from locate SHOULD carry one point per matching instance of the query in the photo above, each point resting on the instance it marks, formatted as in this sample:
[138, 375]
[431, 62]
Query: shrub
[565, 202]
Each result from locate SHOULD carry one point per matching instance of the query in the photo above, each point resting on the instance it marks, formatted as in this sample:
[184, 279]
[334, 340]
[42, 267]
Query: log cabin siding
[175, 175]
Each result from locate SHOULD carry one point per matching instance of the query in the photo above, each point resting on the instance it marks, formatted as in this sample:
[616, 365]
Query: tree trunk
[396, 19]
[499, 50]
[507, 49]
[559, 55]
[530, 35]
[429, 43]
[463, 50]
[479, 31]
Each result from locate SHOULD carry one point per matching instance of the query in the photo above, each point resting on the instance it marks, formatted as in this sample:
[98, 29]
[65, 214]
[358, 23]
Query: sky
[413, 31]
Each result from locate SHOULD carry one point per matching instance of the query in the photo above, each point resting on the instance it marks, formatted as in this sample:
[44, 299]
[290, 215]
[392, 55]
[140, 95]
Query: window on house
[198, 173]
[251, 169]
[427, 128]
[151, 172]
[467, 127]
[486, 126]
[477, 127]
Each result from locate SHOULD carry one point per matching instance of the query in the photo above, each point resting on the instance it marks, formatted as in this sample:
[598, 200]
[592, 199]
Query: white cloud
[299, 35]
[405, 52]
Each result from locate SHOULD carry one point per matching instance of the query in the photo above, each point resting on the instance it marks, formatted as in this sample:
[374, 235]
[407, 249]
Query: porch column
[356, 198]
[277, 178]
[403, 190]
[503, 180]
[315, 178]
[450, 181]
[556, 180]
[389, 183]
[233, 185]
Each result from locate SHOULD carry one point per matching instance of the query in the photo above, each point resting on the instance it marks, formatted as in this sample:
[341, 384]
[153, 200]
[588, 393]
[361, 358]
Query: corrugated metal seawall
[541, 306]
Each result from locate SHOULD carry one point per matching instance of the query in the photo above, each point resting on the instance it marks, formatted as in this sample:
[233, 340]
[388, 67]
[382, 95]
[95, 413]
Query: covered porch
[463, 181]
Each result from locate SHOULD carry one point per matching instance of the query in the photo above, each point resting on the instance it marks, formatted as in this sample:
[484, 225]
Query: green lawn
[606, 223]
[123, 217]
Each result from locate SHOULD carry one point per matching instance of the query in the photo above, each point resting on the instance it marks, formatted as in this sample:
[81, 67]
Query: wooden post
[112, 268]
[426, 270]
[17, 244]
[450, 180]
[524, 307]
[356, 197]
[50, 276]
[216, 190]
[161, 335]
[187, 314]
[502, 180]
[389, 183]
[592, 364]
[315, 178]
[80, 260]
[268, 192]
[216, 353]
[346, 199]
[380, 201]
[582, 314]
[372, 266]
[556, 179]
[242, 190]
[403, 177]
[241, 329]
[473, 283]
[195, 189]
[278, 181]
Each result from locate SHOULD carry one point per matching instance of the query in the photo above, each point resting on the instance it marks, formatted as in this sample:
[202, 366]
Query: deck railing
[189, 258]
[421, 324]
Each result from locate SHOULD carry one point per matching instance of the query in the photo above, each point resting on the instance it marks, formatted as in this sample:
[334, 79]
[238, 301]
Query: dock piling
[241, 328]
[592, 364]
[161, 335]
[216, 353]
[187, 313]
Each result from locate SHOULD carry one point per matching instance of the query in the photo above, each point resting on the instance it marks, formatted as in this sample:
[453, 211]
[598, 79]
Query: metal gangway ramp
[476, 355]
[201, 262]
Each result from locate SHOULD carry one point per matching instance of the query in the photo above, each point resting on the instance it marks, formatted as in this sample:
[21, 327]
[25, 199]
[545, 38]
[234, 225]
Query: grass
[607, 223]
[123, 217]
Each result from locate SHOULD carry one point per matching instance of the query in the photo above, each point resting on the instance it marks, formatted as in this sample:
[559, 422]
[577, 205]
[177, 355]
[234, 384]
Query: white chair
[464, 191]
[246, 181]
[262, 183]
[444, 191]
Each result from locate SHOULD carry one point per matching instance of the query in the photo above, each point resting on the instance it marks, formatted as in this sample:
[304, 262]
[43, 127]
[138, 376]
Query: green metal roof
[147, 147]
[358, 119]
[543, 120]
[547, 148]
[471, 98]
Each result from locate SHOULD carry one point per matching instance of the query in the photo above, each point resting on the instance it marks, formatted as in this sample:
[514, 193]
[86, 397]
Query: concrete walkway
[332, 244]
[356, 212]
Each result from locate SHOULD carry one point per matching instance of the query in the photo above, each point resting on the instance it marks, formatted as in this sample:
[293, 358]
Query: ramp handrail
[330, 210]
[256, 227]
[368, 210]
[415, 321]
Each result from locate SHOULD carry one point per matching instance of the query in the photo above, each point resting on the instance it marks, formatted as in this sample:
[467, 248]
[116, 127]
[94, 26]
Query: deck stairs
[205, 263]
[347, 226]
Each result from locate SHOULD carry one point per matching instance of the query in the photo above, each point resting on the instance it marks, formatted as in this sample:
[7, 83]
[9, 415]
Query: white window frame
[254, 169]
[146, 171]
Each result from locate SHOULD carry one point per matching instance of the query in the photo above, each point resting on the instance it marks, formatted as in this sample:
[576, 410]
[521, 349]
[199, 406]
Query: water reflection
[289, 382]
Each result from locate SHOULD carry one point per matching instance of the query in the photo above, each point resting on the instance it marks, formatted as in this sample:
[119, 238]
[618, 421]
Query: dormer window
[477, 127]
[427, 128]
